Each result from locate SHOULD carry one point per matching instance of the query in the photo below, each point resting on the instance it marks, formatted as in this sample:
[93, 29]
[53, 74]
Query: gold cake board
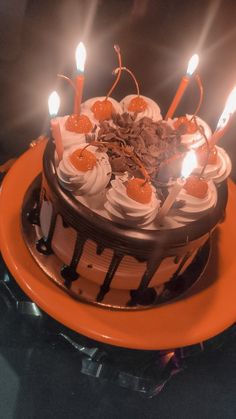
[206, 310]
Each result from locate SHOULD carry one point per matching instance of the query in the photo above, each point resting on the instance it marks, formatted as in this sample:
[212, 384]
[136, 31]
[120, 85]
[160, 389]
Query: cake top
[122, 160]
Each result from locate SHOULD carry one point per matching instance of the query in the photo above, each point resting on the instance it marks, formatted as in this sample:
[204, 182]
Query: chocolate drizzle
[68, 272]
[182, 263]
[44, 245]
[105, 287]
[142, 292]
[33, 214]
[100, 249]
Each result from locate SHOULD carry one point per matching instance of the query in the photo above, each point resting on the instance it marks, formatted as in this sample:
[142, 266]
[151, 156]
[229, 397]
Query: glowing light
[229, 109]
[53, 103]
[192, 64]
[80, 57]
[189, 164]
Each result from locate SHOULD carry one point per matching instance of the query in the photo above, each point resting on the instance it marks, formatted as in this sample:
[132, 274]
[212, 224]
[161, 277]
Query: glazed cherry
[196, 187]
[102, 110]
[202, 153]
[83, 159]
[137, 104]
[78, 123]
[139, 190]
[190, 126]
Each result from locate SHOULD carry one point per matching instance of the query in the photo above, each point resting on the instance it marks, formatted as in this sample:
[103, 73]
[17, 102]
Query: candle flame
[189, 164]
[192, 64]
[229, 109]
[53, 103]
[80, 57]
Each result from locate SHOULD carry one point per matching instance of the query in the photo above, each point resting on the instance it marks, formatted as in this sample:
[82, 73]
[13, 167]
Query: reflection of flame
[229, 109]
[189, 164]
[192, 64]
[80, 56]
[53, 103]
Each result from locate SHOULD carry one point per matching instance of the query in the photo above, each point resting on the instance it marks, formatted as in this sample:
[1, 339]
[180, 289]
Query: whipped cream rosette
[194, 138]
[84, 182]
[70, 138]
[152, 109]
[193, 206]
[100, 106]
[127, 210]
[219, 170]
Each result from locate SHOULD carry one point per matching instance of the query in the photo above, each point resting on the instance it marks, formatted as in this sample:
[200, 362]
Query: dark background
[157, 38]
[38, 377]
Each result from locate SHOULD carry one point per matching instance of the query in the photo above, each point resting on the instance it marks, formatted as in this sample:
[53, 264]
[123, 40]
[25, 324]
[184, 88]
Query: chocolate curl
[126, 151]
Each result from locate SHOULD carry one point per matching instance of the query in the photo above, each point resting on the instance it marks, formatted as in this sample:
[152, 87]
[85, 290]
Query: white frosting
[195, 139]
[87, 183]
[219, 171]
[152, 111]
[70, 138]
[87, 105]
[120, 206]
[196, 206]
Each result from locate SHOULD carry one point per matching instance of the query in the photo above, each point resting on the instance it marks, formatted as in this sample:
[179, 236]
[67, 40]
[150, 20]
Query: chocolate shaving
[154, 143]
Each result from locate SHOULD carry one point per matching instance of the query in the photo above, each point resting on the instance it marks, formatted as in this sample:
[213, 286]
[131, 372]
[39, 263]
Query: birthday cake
[117, 208]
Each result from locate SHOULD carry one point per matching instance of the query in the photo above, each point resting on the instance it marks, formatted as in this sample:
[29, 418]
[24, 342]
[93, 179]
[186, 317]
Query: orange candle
[80, 57]
[192, 65]
[225, 119]
[53, 106]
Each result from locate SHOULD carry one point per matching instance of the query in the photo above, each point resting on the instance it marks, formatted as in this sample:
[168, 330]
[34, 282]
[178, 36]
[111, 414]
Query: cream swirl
[70, 138]
[87, 183]
[123, 208]
[87, 105]
[152, 111]
[194, 207]
[195, 139]
[219, 171]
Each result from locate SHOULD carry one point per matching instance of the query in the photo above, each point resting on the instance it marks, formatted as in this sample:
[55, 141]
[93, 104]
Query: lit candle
[53, 106]
[80, 57]
[225, 118]
[189, 164]
[192, 65]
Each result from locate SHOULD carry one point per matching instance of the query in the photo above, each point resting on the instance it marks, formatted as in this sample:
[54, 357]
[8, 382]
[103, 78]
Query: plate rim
[201, 314]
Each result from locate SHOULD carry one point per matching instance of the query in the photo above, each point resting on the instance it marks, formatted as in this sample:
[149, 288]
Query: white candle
[53, 106]
[189, 164]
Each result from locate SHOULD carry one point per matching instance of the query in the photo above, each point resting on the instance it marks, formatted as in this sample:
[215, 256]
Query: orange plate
[204, 312]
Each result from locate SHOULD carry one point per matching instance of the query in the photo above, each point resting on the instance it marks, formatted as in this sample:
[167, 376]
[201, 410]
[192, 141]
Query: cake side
[109, 253]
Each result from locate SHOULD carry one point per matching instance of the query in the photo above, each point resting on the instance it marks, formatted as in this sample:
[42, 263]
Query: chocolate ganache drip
[44, 245]
[105, 287]
[68, 272]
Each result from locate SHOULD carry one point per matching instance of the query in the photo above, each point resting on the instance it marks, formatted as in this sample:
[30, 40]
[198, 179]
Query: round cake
[99, 208]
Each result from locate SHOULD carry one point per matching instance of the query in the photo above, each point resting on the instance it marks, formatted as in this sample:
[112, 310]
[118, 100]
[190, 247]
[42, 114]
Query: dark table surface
[42, 375]
[46, 371]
